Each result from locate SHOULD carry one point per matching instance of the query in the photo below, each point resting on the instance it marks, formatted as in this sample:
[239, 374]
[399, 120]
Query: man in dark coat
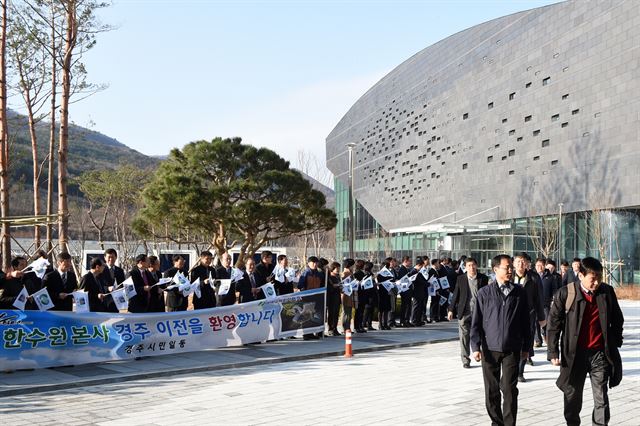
[463, 304]
[175, 301]
[266, 266]
[11, 284]
[156, 293]
[142, 281]
[590, 319]
[110, 276]
[248, 288]
[500, 337]
[206, 273]
[532, 285]
[405, 296]
[419, 293]
[60, 283]
[93, 285]
[224, 273]
[572, 274]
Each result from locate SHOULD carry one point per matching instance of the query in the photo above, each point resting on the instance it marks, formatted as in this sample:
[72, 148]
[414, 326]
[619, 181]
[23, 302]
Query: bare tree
[544, 233]
[4, 146]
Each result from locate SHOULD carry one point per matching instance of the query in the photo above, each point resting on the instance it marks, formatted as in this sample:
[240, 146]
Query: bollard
[348, 351]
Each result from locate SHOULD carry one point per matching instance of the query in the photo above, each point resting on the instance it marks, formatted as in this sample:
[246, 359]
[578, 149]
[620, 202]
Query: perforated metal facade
[510, 118]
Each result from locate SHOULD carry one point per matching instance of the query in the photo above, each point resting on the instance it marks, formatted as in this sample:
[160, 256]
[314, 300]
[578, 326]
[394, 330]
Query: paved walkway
[22, 382]
[422, 384]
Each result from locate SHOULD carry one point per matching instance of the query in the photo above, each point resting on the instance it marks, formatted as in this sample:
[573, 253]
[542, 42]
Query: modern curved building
[477, 143]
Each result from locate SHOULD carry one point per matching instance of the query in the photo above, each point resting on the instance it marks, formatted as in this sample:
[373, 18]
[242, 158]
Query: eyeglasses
[506, 268]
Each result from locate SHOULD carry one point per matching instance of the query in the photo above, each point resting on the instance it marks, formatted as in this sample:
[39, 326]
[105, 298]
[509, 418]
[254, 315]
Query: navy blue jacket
[501, 323]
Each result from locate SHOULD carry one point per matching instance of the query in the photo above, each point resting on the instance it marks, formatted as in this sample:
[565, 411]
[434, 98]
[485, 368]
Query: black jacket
[569, 323]
[140, 302]
[501, 323]
[533, 289]
[93, 286]
[229, 298]
[9, 290]
[551, 282]
[175, 299]
[53, 282]
[244, 287]
[207, 297]
[462, 293]
[419, 285]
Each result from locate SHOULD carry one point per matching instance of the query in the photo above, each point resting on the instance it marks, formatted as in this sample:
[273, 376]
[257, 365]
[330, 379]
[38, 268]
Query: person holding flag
[175, 301]
[60, 283]
[224, 273]
[206, 273]
[94, 286]
[142, 282]
[11, 285]
[384, 302]
[30, 280]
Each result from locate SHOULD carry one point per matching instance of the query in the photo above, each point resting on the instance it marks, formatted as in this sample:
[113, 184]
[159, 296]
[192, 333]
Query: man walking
[500, 337]
[463, 304]
[590, 320]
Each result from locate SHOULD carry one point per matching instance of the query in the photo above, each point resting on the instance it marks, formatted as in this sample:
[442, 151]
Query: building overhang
[450, 228]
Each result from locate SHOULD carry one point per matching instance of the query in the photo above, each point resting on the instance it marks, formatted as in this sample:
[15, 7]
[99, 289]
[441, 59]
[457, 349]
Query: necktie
[253, 280]
[64, 278]
[144, 277]
[112, 271]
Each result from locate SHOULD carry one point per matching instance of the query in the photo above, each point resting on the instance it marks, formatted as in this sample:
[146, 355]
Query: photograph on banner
[305, 313]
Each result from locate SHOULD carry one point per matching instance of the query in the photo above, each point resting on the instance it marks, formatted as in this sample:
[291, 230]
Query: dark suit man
[175, 301]
[142, 281]
[590, 321]
[224, 273]
[11, 284]
[112, 274]
[405, 296]
[30, 280]
[206, 273]
[266, 266]
[500, 337]
[463, 304]
[248, 288]
[60, 283]
[530, 281]
[419, 286]
[572, 274]
[91, 283]
[156, 294]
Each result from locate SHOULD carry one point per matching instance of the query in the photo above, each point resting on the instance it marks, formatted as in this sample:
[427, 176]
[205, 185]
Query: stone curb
[178, 371]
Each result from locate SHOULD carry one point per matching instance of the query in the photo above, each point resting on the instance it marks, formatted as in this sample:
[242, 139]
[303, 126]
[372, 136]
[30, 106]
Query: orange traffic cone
[348, 351]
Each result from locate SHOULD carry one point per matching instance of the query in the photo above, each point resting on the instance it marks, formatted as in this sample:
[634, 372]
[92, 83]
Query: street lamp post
[350, 146]
[560, 233]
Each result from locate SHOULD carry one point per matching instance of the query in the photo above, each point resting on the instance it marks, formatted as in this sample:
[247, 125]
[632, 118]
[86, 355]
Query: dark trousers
[595, 363]
[434, 309]
[383, 319]
[417, 310]
[346, 316]
[333, 311]
[533, 321]
[358, 322]
[391, 315]
[405, 307]
[546, 317]
[493, 364]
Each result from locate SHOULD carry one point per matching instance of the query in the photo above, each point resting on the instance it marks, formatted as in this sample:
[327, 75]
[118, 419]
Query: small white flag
[39, 267]
[388, 285]
[190, 288]
[129, 288]
[346, 289]
[367, 283]
[212, 283]
[413, 277]
[269, 291]
[442, 300]
[21, 300]
[432, 291]
[291, 275]
[279, 273]
[81, 301]
[444, 283]
[434, 283]
[425, 273]
[354, 285]
[236, 274]
[120, 299]
[225, 286]
[42, 299]
[450, 298]
[385, 272]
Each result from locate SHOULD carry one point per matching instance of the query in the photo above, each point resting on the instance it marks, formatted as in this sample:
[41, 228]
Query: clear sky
[279, 74]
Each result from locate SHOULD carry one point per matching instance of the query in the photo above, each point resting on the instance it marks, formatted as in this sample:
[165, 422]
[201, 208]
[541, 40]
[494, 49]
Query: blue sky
[279, 74]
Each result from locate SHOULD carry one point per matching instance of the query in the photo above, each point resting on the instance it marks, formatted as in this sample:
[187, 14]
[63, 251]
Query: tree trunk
[36, 168]
[63, 147]
[52, 130]
[4, 145]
